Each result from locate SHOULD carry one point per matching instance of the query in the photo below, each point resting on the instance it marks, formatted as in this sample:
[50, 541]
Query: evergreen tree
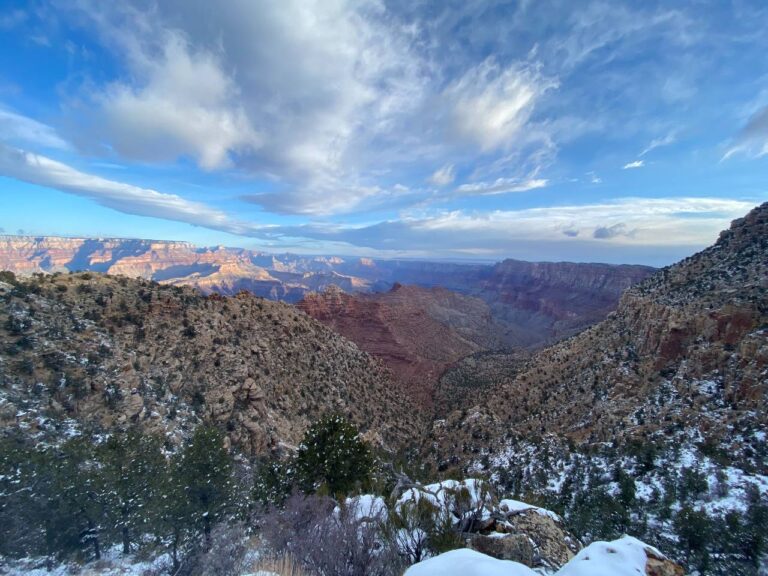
[694, 531]
[22, 510]
[332, 456]
[174, 510]
[131, 466]
[73, 500]
[204, 471]
[755, 536]
[274, 481]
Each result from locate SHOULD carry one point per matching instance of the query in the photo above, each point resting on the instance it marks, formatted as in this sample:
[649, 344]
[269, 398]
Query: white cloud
[659, 142]
[491, 105]
[654, 222]
[183, 103]
[501, 186]
[17, 128]
[443, 176]
[633, 165]
[656, 231]
[295, 91]
[43, 171]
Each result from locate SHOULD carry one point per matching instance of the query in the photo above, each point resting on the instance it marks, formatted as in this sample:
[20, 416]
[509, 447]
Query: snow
[440, 494]
[113, 563]
[367, 506]
[509, 505]
[623, 557]
[465, 562]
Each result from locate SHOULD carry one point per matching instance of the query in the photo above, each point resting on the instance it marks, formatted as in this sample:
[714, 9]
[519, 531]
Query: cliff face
[538, 302]
[99, 352]
[686, 350]
[554, 299]
[416, 332]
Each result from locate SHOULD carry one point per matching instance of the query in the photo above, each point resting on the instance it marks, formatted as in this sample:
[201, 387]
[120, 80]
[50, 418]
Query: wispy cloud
[501, 186]
[491, 105]
[659, 142]
[594, 178]
[443, 176]
[658, 230]
[43, 171]
[752, 140]
[633, 165]
[12, 18]
[17, 128]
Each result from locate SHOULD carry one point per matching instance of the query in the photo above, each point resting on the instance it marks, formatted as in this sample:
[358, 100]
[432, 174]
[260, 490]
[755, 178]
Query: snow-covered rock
[626, 556]
[508, 505]
[465, 562]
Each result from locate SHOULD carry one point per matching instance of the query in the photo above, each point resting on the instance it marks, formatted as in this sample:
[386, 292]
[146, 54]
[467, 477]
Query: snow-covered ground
[112, 563]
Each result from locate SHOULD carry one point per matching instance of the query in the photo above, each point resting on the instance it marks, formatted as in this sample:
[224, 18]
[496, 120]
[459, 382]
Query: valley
[648, 422]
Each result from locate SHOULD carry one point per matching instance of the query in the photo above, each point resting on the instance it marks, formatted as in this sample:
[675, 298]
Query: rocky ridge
[687, 348]
[98, 352]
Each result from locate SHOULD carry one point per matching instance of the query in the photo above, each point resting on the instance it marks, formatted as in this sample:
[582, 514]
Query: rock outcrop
[623, 557]
[504, 529]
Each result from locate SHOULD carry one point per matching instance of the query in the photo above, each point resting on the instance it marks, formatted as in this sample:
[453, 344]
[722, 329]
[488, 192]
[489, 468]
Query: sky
[621, 132]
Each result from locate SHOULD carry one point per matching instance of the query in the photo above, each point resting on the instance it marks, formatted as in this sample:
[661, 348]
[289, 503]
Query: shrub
[330, 540]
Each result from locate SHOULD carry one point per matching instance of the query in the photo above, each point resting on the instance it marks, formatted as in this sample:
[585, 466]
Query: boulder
[516, 547]
[553, 544]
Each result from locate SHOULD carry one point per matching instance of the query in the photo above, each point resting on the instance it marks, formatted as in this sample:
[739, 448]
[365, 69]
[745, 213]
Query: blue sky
[588, 131]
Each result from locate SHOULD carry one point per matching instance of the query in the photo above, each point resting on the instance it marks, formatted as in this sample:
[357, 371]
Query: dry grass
[281, 565]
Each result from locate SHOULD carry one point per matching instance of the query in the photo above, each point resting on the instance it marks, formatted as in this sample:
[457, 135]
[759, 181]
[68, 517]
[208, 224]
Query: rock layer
[416, 332]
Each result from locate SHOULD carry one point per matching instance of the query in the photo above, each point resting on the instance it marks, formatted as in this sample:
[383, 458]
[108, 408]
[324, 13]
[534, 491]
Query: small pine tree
[204, 469]
[274, 481]
[22, 507]
[74, 502]
[755, 525]
[131, 466]
[694, 531]
[333, 457]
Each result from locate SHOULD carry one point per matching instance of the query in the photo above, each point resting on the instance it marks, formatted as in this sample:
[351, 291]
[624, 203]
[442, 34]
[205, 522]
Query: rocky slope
[686, 348]
[647, 423]
[416, 332]
[98, 352]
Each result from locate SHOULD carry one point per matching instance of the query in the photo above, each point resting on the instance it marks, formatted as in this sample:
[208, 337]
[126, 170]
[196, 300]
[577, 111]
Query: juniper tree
[73, 501]
[333, 457]
[22, 508]
[204, 471]
[131, 465]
